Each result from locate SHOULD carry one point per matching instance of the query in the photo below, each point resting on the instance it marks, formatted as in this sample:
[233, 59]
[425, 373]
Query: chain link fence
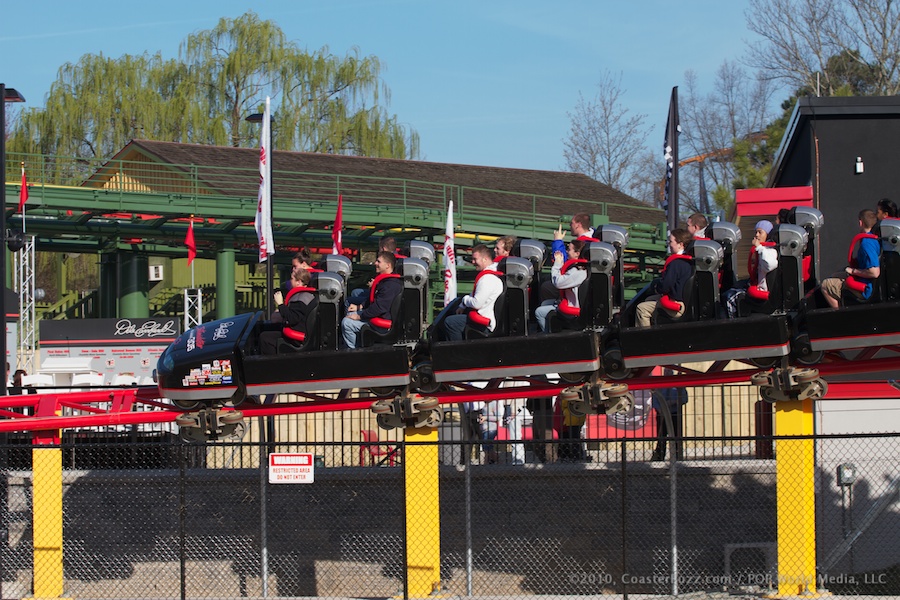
[165, 519]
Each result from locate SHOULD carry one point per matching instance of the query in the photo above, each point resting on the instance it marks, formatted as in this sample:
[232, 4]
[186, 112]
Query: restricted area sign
[287, 467]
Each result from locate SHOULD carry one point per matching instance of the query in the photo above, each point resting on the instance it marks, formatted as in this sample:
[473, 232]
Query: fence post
[182, 519]
[423, 520]
[623, 457]
[796, 499]
[47, 513]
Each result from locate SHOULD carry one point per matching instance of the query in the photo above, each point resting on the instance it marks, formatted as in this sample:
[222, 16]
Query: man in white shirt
[488, 287]
[581, 226]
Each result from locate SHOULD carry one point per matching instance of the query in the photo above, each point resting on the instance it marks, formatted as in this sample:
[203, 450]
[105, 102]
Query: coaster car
[220, 361]
[861, 323]
[702, 333]
[512, 349]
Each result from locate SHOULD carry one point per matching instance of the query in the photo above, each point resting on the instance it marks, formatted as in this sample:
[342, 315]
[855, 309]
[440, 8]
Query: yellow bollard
[423, 521]
[47, 515]
[796, 500]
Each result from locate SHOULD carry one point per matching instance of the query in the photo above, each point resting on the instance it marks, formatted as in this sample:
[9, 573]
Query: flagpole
[6, 95]
[191, 225]
[23, 196]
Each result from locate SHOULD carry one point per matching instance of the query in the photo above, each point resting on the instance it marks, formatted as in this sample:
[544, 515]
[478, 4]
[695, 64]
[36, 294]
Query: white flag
[336, 235]
[264, 204]
[449, 259]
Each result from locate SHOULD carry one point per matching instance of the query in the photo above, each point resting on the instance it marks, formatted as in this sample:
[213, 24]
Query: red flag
[190, 243]
[337, 248]
[23, 193]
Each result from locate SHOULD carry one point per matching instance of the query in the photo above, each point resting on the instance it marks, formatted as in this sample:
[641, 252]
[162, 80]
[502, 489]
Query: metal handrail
[234, 182]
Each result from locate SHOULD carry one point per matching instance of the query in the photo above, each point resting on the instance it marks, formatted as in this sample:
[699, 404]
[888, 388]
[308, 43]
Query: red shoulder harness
[571, 263]
[857, 239]
[378, 280]
[297, 290]
[487, 272]
[673, 257]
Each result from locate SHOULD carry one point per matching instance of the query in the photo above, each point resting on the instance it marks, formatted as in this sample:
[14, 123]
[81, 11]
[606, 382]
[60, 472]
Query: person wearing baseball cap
[762, 259]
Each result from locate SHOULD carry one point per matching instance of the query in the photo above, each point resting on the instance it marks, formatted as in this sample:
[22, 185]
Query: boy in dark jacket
[669, 289]
[376, 310]
[292, 311]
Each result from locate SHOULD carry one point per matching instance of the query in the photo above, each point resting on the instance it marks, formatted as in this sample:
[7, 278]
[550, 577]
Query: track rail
[109, 407]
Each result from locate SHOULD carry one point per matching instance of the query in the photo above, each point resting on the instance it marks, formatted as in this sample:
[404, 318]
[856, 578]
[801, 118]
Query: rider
[292, 311]
[696, 226]
[763, 258]
[885, 209]
[488, 287]
[566, 277]
[858, 278]
[503, 246]
[581, 228]
[386, 286]
[675, 274]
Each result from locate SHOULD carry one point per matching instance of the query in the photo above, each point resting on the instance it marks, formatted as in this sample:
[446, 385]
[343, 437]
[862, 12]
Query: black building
[847, 150]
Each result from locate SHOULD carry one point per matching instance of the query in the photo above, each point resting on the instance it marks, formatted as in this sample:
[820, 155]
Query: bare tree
[736, 109]
[874, 27]
[649, 176]
[606, 139]
[807, 44]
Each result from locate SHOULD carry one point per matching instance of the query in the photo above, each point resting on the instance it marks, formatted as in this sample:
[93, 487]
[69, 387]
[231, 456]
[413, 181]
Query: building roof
[308, 176]
[809, 109]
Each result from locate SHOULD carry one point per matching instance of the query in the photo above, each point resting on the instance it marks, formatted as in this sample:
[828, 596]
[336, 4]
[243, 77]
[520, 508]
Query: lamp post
[9, 95]
[270, 276]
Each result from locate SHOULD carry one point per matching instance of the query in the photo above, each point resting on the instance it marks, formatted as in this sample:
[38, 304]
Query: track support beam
[796, 498]
[423, 520]
[47, 515]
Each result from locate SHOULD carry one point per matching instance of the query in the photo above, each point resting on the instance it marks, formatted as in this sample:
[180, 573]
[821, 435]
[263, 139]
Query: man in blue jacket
[376, 309]
[865, 269]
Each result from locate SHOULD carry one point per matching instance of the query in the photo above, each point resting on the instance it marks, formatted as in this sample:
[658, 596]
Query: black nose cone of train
[204, 363]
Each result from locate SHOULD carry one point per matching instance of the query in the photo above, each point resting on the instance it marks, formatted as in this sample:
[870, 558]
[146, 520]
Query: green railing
[408, 202]
[72, 305]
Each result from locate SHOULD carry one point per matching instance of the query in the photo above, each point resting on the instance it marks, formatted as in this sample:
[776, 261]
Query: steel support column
[423, 519]
[225, 294]
[134, 284]
[796, 498]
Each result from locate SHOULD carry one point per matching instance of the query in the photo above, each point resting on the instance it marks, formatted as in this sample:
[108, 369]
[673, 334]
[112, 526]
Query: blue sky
[483, 82]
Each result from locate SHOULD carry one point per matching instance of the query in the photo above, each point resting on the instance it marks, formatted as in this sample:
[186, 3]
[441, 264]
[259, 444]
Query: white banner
[264, 204]
[449, 259]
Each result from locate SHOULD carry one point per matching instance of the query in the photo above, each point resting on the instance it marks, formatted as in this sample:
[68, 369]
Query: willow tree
[97, 104]
[323, 103]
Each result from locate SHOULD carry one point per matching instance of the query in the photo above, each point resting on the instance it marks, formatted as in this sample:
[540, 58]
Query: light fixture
[11, 95]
